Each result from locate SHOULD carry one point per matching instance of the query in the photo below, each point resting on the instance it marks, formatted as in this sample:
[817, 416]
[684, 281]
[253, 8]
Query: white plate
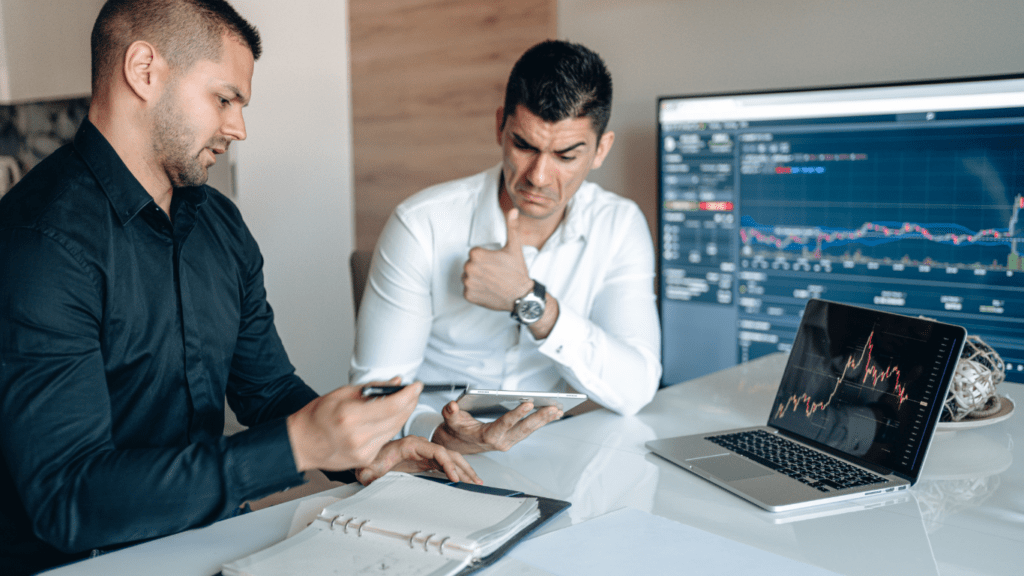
[1005, 411]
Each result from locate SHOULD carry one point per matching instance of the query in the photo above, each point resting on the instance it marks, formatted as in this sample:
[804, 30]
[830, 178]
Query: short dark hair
[557, 80]
[184, 31]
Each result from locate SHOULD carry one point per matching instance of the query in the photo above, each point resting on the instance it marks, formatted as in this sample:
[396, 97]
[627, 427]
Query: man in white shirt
[523, 277]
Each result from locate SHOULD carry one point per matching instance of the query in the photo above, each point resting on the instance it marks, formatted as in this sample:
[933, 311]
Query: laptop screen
[869, 384]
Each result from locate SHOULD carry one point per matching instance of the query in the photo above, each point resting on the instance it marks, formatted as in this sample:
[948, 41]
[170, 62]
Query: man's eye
[567, 158]
[223, 101]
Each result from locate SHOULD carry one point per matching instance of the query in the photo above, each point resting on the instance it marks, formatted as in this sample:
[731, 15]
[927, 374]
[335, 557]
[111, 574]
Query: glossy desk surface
[964, 517]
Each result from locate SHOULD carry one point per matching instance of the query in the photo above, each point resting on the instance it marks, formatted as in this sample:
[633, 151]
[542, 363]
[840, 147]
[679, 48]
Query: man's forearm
[619, 371]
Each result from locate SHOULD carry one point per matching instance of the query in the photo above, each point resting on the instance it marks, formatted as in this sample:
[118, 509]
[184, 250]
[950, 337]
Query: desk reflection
[599, 475]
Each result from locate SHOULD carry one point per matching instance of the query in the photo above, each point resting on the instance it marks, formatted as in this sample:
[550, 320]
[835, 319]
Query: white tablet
[497, 402]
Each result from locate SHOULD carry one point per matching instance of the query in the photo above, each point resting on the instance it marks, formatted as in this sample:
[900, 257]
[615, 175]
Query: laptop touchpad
[730, 467]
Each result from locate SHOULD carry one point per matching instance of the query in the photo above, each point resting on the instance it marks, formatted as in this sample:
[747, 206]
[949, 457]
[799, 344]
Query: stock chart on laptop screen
[905, 198]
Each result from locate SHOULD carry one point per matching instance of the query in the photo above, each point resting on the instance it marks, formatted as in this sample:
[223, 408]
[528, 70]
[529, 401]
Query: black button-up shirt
[121, 331]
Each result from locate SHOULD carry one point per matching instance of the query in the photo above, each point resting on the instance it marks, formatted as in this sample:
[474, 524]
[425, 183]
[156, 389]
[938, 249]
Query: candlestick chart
[860, 371]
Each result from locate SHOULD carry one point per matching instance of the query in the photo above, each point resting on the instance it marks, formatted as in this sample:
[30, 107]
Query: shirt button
[558, 350]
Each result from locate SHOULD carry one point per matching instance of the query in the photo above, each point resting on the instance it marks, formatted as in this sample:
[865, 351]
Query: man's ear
[145, 71]
[498, 117]
[604, 145]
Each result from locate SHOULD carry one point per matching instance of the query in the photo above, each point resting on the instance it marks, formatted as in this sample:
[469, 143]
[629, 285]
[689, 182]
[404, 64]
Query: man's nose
[538, 172]
[235, 125]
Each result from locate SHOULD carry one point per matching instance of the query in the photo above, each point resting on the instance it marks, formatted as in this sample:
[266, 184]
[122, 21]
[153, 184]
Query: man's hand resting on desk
[463, 433]
[342, 430]
[415, 454]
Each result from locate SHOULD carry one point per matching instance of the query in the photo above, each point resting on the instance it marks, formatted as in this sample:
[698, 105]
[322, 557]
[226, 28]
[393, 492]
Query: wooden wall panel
[427, 77]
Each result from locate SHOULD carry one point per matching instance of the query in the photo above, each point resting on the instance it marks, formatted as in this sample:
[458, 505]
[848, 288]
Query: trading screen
[904, 198]
[867, 383]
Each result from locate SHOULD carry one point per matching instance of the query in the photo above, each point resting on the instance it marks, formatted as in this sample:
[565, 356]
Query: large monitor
[898, 197]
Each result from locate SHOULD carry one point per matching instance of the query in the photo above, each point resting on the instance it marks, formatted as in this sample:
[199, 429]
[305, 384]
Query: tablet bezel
[489, 402]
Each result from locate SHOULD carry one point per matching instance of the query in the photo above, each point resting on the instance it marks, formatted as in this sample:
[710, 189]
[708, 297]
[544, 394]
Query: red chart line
[869, 230]
[852, 363]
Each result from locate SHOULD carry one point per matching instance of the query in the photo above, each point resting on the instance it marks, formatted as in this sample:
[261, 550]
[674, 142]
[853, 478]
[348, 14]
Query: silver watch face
[529, 310]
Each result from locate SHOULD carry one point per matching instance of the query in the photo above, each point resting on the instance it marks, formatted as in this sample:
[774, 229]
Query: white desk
[965, 516]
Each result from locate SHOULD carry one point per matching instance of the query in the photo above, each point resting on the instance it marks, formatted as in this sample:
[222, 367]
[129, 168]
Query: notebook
[402, 524]
[854, 414]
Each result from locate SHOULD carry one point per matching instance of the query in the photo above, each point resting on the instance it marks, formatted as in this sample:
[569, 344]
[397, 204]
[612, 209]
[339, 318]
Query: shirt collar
[125, 193]
[488, 226]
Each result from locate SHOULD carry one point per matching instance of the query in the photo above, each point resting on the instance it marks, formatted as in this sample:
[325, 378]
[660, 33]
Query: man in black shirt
[132, 301]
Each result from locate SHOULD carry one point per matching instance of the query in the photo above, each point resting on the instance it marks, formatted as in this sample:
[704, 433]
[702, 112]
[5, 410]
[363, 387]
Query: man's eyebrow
[238, 94]
[570, 148]
[522, 143]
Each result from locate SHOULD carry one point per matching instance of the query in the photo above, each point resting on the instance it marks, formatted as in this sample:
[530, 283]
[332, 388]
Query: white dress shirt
[599, 264]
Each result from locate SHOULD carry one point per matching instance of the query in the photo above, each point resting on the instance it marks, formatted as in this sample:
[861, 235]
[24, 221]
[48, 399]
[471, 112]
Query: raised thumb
[512, 225]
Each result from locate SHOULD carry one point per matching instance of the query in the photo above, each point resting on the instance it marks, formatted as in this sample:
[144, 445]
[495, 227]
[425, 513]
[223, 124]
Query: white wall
[44, 49]
[293, 177]
[672, 47]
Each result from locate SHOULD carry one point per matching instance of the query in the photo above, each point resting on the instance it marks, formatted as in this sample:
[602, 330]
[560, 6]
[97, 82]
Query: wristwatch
[530, 308]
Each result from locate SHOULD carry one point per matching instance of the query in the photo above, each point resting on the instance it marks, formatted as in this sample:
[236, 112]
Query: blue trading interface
[916, 213]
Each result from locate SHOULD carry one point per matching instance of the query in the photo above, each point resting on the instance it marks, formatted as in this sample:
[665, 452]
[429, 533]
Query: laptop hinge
[880, 470]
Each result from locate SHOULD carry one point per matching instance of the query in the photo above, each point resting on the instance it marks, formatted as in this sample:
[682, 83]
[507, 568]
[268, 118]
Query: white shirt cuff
[569, 328]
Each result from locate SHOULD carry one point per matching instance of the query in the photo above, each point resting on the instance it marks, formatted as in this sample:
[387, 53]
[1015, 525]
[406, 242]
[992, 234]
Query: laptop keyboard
[813, 468]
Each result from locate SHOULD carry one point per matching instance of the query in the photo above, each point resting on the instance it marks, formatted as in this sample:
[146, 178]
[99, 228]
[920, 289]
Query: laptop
[854, 415]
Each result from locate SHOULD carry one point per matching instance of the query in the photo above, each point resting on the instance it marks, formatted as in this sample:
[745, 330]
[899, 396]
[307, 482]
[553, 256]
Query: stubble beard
[525, 208]
[516, 201]
[171, 141]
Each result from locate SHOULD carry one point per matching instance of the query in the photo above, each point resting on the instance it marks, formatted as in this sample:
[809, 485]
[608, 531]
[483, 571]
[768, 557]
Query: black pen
[375, 391]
